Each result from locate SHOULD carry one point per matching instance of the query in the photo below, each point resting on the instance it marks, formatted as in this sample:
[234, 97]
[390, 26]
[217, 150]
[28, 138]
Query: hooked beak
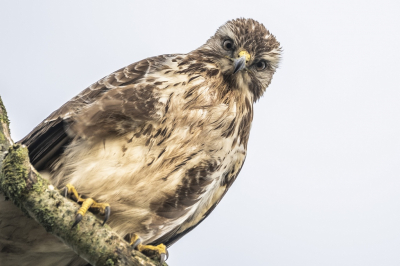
[240, 62]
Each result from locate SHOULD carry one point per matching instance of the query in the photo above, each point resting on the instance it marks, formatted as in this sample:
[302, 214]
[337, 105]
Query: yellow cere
[246, 54]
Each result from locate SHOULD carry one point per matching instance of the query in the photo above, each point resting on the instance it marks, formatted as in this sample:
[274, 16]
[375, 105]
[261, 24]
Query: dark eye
[228, 45]
[261, 65]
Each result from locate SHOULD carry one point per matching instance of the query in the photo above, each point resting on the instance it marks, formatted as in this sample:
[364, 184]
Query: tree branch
[22, 184]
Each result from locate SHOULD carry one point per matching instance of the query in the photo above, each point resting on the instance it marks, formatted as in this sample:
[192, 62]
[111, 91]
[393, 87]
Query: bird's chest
[211, 153]
[174, 170]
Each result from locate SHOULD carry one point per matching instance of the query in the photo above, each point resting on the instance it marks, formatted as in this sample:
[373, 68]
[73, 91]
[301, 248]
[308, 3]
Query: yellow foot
[159, 251]
[103, 208]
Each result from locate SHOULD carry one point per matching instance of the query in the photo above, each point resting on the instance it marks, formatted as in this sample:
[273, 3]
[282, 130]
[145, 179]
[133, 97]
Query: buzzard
[159, 142]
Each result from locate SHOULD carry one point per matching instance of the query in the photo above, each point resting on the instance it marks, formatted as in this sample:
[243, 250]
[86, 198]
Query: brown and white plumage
[161, 140]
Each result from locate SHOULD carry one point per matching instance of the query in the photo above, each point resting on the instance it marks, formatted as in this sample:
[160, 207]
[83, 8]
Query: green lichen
[3, 120]
[46, 217]
[3, 114]
[14, 173]
[40, 185]
[109, 262]
[4, 131]
[2, 137]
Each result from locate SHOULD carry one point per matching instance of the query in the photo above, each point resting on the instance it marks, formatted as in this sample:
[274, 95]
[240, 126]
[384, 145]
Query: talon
[162, 260]
[149, 250]
[65, 192]
[70, 189]
[78, 218]
[107, 212]
[134, 240]
[87, 204]
[136, 243]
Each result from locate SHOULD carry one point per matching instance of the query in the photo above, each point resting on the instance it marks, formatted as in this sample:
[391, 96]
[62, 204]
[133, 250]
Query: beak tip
[239, 64]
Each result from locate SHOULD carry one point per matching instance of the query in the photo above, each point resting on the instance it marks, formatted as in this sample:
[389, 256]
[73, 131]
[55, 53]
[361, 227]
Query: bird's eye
[228, 45]
[261, 65]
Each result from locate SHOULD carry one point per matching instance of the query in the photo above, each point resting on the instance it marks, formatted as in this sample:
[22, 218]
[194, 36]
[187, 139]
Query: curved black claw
[167, 254]
[65, 192]
[163, 256]
[78, 218]
[107, 213]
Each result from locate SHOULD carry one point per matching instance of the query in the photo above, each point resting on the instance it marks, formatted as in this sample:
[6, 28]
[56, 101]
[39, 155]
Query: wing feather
[174, 235]
[115, 98]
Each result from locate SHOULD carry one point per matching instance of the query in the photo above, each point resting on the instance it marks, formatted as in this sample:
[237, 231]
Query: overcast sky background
[321, 183]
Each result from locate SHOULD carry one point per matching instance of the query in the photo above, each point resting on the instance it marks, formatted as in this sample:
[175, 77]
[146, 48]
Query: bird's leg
[103, 208]
[149, 250]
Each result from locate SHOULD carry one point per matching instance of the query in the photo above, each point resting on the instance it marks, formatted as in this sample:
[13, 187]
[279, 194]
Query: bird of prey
[160, 141]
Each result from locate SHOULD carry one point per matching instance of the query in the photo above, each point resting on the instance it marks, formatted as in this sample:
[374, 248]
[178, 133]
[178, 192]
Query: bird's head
[246, 53]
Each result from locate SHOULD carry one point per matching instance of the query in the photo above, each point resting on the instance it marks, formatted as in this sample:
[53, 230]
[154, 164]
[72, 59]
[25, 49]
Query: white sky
[321, 184]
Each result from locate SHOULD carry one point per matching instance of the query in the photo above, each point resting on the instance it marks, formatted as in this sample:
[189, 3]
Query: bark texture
[23, 185]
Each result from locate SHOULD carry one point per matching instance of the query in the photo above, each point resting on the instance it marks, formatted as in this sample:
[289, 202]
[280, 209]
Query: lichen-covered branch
[22, 184]
[5, 136]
